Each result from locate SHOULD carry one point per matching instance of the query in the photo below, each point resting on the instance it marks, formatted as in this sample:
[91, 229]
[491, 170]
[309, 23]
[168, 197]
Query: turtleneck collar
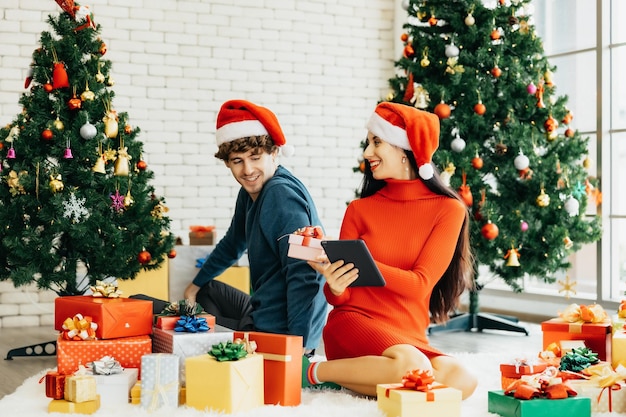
[405, 190]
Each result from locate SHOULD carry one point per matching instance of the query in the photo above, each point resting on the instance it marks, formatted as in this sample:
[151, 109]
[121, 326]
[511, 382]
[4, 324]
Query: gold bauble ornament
[87, 95]
[58, 124]
[543, 199]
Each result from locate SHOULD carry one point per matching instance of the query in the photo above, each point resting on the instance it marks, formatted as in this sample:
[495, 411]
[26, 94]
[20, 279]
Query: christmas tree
[76, 205]
[507, 142]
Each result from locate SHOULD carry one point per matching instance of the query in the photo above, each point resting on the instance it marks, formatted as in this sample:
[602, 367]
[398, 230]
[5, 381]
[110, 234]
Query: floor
[17, 369]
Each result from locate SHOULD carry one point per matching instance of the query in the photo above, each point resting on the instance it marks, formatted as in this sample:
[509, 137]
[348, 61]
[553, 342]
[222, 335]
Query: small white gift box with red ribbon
[306, 243]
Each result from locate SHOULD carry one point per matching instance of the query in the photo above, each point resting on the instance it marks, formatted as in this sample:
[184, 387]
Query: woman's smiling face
[386, 161]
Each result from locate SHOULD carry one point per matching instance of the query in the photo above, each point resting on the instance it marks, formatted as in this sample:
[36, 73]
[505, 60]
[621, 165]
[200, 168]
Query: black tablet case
[356, 252]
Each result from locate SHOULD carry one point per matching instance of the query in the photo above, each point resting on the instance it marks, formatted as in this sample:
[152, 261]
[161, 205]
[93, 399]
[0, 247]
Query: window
[586, 40]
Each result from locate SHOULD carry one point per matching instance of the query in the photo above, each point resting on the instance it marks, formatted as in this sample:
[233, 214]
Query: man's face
[252, 169]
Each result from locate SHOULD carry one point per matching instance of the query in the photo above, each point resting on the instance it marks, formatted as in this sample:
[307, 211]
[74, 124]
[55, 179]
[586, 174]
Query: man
[287, 294]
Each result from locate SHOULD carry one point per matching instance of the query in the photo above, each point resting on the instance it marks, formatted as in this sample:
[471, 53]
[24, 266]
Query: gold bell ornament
[122, 163]
[100, 165]
[512, 257]
[128, 199]
[56, 184]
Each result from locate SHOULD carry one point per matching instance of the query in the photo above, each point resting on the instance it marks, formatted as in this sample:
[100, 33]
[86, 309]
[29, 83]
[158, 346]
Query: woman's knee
[406, 358]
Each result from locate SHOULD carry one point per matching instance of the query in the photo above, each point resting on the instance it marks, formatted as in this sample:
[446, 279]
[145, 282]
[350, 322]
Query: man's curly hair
[257, 144]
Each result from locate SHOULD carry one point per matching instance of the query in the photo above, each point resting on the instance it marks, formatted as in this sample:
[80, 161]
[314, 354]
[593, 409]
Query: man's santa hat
[408, 128]
[240, 118]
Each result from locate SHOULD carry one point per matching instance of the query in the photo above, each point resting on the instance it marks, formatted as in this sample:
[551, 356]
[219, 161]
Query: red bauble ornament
[567, 118]
[47, 134]
[144, 257]
[47, 87]
[171, 254]
[495, 34]
[404, 37]
[569, 132]
[103, 48]
[496, 71]
[74, 103]
[489, 231]
[408, 51]
[477, 162]
[432, 21]
[142, 165]
[479, 108]
[442, 110]
[551, 124]
[128, 129]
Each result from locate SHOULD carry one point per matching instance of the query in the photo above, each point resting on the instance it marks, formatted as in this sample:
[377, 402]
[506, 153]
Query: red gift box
[127, 351]
[169, 322]
[115, 317]
[511, 373]
[597, 336]
[55, 385]
[282, 365]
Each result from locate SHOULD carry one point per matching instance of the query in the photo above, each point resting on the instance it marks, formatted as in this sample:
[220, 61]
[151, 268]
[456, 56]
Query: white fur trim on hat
[388, 132]
[238, 130]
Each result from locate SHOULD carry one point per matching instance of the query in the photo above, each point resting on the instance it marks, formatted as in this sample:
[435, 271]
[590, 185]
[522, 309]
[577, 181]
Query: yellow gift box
[68, 407]
[135, 393]
[229, 386]
[610, 399]
[396, 401]
[80, 388]
[618, 349]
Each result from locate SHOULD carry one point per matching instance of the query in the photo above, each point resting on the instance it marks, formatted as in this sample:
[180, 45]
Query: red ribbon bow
[309, 232]
[544, 385]
[418, 380]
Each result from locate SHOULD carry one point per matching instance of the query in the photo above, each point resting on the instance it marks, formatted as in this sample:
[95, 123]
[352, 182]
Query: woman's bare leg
[362, 374]
[450, 371]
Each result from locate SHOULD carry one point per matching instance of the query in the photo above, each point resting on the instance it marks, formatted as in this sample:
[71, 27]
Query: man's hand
[190, 293]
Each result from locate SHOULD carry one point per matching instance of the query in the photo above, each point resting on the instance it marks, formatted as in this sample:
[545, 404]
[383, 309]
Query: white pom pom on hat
[408, 128]
[240, 118]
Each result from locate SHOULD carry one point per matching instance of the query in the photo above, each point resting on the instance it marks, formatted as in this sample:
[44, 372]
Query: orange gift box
[282, 365]
[511, 373]
[169, 322]
[597, 336]
[127, 351]
[115, 317]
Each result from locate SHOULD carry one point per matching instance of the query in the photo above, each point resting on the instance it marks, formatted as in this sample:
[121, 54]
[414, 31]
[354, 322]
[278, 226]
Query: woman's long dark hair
[459, 275]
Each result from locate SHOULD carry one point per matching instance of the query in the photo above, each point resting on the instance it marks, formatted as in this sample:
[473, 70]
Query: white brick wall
[320, 65]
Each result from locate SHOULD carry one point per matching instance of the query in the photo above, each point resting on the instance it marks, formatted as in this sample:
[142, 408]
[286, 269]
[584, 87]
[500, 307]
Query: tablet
[356, 252]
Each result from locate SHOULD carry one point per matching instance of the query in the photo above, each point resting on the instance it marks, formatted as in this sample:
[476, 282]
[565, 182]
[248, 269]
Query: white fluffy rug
[29, 399]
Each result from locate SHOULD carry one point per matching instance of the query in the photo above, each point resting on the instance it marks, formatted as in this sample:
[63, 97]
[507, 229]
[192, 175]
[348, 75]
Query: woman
[417, 231]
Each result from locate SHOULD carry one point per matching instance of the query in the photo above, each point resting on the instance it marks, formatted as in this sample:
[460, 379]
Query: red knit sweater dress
[411, 233]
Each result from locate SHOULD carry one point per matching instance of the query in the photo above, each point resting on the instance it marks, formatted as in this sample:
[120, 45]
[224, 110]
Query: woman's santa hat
[408, 128]
[240, 118]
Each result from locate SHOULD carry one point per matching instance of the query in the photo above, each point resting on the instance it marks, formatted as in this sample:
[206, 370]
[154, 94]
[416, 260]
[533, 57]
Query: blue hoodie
[287, 296]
